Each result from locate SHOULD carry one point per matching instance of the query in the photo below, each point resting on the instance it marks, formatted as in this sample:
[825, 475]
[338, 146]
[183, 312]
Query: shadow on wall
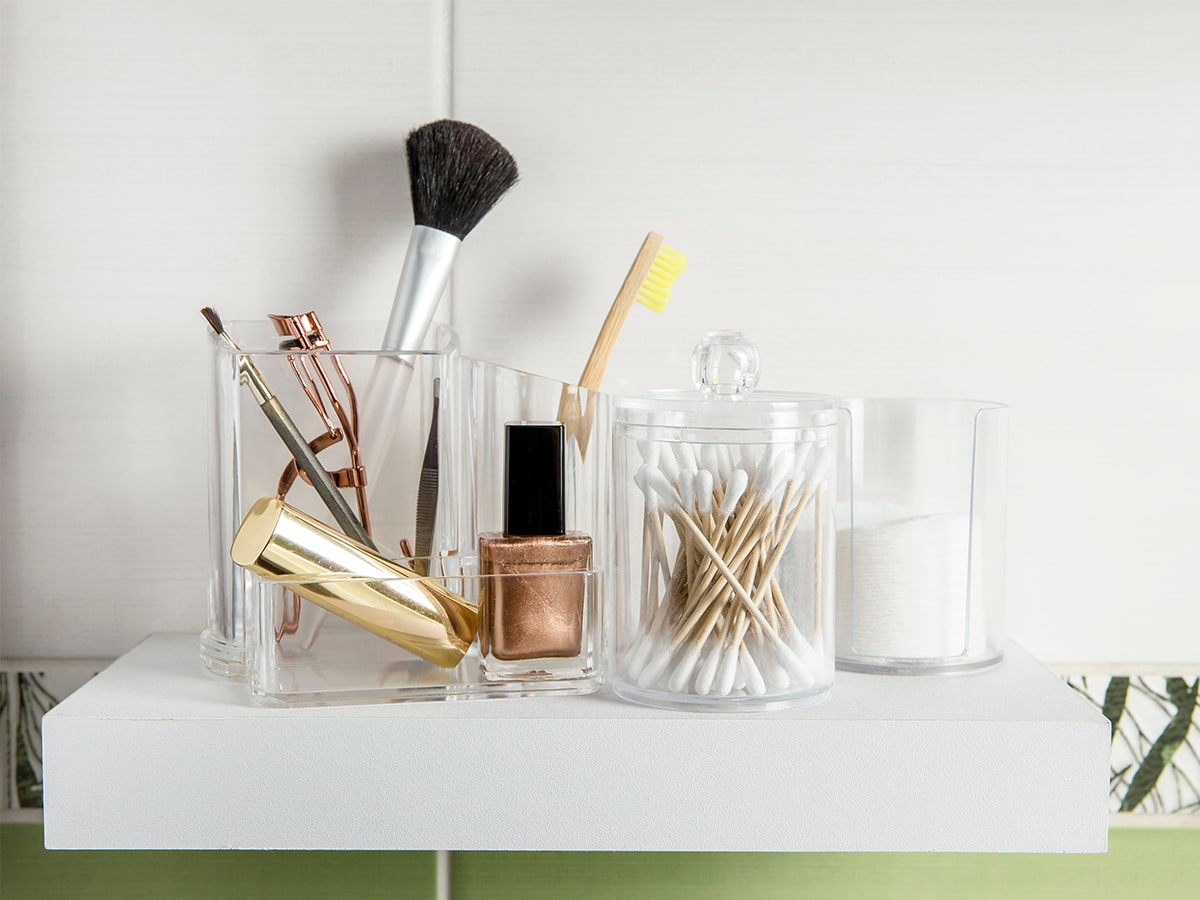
[370, 216]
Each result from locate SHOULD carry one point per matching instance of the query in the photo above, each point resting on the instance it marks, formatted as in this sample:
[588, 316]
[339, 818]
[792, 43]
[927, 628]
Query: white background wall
[980, 199]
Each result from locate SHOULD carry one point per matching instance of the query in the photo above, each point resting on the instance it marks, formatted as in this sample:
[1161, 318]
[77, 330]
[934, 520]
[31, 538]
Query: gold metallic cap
[277, 541]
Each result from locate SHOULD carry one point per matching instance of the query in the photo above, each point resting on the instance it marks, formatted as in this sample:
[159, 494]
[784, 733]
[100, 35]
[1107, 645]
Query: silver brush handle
[427, 267]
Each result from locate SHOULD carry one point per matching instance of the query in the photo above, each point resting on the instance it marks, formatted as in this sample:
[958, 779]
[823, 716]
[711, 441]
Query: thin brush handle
[310, 466]
[427, 267]
[593, 372]
[291, 436]
[305, 458]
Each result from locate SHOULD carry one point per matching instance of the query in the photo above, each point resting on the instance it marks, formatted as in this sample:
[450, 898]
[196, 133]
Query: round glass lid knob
[725, 364]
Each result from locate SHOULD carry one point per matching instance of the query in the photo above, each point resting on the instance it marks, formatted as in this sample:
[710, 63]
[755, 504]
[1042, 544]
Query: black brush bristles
[457, 173]
[214, 320]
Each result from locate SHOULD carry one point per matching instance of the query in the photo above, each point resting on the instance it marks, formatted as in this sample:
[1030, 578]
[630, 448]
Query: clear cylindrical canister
[920, 580]
[724, 503]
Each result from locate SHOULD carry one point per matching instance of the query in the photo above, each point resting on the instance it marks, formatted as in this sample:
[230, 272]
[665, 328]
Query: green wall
[1142, 863]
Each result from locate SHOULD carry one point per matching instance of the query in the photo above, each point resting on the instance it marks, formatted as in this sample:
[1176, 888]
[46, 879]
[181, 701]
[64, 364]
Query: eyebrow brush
[291, 436]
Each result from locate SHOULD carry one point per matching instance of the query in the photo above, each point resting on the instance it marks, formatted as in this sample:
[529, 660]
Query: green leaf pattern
[1114, 702]
[1155, 766]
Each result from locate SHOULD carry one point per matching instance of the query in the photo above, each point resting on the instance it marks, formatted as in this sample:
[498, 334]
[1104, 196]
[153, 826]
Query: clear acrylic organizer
[351, 665]
[350, 662]
[565, 587]
[724, 506]
[920, 569]
[248, 459]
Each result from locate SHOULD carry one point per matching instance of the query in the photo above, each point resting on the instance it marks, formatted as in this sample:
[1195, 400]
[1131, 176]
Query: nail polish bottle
[534, 599]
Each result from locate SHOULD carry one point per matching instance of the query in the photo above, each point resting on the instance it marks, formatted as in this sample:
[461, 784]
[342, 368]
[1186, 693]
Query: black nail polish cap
[533, 479]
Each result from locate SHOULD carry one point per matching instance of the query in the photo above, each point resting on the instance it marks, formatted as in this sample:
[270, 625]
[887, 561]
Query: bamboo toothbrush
[457, 173]
[648, 281]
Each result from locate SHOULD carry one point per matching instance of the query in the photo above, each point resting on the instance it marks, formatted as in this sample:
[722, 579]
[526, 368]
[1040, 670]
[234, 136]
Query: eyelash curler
[303, 332]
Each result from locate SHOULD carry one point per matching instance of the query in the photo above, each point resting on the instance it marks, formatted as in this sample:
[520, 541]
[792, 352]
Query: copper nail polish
[535, 608]
[535, 593]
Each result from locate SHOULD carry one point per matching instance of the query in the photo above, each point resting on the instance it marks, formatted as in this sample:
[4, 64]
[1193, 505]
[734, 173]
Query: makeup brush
[649, 282]
[457, 173]
[291, 436]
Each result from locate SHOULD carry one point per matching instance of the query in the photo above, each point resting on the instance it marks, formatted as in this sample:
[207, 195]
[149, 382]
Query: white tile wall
[989, 199]
[160, 156]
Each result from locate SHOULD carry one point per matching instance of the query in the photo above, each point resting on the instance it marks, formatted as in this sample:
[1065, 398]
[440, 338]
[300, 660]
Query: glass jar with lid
[724, 505]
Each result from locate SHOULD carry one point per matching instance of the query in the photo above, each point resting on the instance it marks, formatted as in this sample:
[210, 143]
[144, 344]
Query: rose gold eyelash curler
[304, 332]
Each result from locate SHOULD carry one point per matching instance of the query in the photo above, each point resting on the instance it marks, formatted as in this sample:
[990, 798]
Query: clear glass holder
[350, 665]
[920, 586]
[536, 602]
[724, 512]
[248, 460]
[541, 616]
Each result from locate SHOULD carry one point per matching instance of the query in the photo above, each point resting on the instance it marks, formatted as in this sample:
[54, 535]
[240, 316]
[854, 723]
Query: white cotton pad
[915, 596]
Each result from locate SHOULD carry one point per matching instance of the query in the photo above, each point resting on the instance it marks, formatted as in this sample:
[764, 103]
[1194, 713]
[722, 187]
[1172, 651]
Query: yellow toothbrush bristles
[648, 281]
[656, 288]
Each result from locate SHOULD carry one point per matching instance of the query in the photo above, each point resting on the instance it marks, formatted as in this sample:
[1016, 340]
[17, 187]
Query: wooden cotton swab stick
[639, 653]
[659, 664]
[724, 626]
[778, 534]
[770, 476]
[713, 526]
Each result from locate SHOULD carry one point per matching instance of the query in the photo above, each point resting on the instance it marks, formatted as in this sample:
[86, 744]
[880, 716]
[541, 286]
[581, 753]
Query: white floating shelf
[155, 753]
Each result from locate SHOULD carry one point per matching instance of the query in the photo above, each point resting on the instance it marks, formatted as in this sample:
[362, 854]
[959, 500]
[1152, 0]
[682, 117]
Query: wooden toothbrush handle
[593, 372]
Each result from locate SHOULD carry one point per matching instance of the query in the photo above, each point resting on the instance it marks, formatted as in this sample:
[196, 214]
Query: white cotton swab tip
[682, 673]
[639, 479]
[708, 670]
[777, 473]
[755, 686]
[657, 482]
[739, 480]
[704, 491]
[800, 673]
[726, 672]
[668, 465]
[638, 654]
[650, 451]
[739, 679]
[749, 463]
[687, 490]
[819, 467]
[775, 675]
[653, 672]
[799, 644]
[803, 449]
[724, 461]
[686, 456]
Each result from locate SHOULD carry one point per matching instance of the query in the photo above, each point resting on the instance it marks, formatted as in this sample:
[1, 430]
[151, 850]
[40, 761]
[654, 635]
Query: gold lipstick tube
[342, 576]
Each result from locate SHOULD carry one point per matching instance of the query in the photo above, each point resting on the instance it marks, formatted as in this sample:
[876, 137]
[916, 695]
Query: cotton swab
[723, 627]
